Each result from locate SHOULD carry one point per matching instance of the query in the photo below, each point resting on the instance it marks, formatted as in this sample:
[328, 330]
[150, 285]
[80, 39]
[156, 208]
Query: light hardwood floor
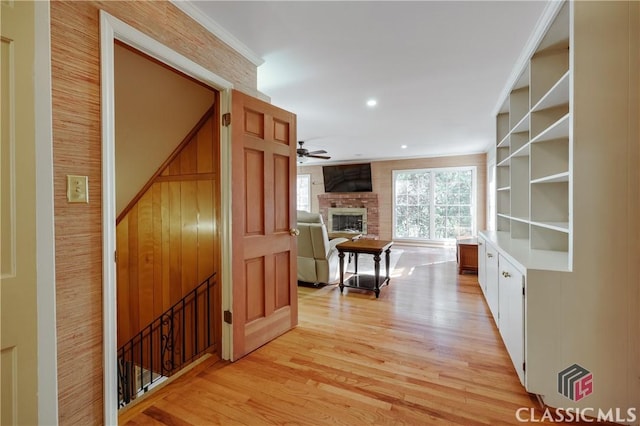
[425, 352]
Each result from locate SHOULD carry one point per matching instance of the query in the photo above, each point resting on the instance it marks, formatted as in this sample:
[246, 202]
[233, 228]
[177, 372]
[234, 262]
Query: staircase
[176, 338]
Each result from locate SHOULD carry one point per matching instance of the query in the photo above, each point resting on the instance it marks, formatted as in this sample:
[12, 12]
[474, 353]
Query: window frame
[432, 205]
[308, 177]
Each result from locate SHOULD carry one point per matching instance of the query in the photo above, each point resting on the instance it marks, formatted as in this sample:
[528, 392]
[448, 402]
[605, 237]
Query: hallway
[426, 352]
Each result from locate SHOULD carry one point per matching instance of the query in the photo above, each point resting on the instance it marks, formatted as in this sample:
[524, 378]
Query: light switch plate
[77, 189]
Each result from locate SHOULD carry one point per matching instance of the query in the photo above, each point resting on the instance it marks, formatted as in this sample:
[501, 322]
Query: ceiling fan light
[302, 159]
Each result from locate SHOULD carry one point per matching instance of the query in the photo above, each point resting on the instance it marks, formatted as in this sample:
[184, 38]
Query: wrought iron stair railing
[170, 342]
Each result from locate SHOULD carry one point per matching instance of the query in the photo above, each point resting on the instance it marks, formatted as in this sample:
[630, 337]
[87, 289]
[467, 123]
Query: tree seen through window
[433, 204]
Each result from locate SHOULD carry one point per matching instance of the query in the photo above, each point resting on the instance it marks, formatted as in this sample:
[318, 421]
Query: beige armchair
[318, 261]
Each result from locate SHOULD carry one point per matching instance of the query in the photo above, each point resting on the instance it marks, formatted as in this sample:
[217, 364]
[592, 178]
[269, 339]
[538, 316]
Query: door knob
[294, 231]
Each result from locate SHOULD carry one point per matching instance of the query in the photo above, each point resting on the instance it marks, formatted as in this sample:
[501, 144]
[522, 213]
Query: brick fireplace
[353, 200]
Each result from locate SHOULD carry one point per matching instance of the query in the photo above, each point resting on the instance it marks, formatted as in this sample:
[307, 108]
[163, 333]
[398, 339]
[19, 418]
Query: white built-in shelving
[560, 272]
[532, 149]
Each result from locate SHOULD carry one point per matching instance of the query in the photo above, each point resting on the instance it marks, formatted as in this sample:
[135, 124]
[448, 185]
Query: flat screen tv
[347, 178]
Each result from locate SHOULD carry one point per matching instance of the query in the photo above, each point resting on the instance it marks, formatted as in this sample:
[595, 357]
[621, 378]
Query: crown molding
[544, 22]
[188, 7]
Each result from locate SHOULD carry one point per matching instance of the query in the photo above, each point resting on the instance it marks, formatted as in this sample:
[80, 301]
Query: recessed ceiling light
[403, 146]
[372, 103]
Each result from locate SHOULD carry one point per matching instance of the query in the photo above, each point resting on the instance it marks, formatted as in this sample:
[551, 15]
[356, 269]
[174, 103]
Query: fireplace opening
[348, 219]
[347, 223]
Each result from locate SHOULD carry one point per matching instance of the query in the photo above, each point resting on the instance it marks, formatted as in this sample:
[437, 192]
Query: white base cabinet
[504, 291]
[491, 281]
[482, 273]
[511, 290]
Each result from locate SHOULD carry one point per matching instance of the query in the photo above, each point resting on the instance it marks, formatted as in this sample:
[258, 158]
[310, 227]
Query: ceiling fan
[304, 153]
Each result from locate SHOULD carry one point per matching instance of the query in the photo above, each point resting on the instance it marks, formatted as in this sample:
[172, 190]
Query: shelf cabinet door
[511, 322]
[491, 280]
[482, 263]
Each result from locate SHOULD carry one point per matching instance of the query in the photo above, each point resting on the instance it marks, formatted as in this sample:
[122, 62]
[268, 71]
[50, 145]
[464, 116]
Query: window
[304, 193]
[434, 204]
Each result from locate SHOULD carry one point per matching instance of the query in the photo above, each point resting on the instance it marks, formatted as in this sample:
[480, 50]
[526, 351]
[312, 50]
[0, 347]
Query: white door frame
[45, 228]
[112, 29]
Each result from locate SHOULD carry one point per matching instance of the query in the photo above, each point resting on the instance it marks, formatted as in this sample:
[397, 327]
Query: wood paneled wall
[75, 62]
[381, 175]
[167, 242]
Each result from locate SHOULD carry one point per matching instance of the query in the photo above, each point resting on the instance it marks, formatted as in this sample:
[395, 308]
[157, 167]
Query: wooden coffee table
[362, 281]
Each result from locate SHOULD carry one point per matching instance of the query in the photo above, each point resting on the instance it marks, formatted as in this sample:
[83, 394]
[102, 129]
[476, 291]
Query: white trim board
[112, 29]
[45, 228]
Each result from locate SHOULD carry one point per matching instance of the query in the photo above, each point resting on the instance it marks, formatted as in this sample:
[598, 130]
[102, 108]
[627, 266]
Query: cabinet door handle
[489, 255]
[506, 274]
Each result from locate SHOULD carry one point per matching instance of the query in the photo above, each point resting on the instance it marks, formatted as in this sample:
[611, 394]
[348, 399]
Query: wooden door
[265, 303]
[18, 328]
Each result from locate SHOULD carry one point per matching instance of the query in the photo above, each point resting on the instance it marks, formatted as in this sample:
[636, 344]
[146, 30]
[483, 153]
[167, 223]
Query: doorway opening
[113, 30]
[167, 207]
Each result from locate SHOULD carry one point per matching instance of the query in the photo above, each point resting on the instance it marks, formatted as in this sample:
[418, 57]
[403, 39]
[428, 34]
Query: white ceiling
[436, 68]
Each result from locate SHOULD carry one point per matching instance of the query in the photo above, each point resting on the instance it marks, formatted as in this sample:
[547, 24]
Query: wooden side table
[467, 254]
[365, 282]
